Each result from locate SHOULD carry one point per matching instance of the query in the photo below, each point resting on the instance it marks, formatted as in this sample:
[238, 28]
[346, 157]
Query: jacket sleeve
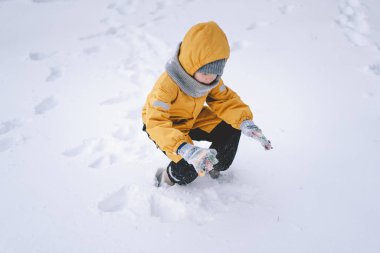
[158, 123]
[228, 106]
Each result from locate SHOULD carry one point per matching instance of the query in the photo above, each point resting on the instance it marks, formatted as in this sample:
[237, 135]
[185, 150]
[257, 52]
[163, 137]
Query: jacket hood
[185, 82]
[202, 44]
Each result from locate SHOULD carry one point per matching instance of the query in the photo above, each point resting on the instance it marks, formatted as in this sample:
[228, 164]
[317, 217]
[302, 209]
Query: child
[175, 113]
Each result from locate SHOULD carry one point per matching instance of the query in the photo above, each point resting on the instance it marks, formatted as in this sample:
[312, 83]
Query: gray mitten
[202, 159]
[250, 129]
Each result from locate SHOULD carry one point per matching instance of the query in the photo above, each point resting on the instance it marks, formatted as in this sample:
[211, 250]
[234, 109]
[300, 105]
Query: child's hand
[202, 159]
[250, 129]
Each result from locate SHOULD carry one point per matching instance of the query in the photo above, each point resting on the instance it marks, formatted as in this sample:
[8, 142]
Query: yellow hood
[203, 43]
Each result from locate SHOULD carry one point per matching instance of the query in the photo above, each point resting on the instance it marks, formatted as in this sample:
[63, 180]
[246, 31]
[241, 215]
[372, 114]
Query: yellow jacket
[169, 113]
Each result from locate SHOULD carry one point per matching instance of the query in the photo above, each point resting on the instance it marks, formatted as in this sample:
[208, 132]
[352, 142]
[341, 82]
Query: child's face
[204, 78]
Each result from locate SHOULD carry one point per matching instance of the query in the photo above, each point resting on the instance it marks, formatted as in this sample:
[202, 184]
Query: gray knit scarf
[185, 82]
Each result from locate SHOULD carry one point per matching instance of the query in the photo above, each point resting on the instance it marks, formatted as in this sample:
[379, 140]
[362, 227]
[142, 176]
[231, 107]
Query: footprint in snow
[375, 69]
[7, 143]
[124, 8]
[39, 56]
[158, 18]
[353, 22]
[91, 50]
[135, 200]
[72, 152]
[104, 151]
[123, 134]
[103, 161]
[258, 25]
[238, 45]
[114, 202]
[88, 146]
[144, 203]
[8, 126]
[8, 140]
[368, 95]
[55, 73]
[286, 9]
[160, 5]
[111, 31]
[101, 145]
[116, 100]
[45, 105]
[200, 202]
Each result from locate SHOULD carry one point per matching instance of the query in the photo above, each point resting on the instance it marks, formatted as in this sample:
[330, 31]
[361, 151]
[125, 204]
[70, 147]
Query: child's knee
[223, 165]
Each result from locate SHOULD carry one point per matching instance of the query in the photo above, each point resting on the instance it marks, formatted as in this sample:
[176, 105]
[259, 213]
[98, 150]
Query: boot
[214, 174]
[163, 178]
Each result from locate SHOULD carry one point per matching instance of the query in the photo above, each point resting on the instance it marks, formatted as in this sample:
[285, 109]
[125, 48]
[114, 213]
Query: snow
[77, 171]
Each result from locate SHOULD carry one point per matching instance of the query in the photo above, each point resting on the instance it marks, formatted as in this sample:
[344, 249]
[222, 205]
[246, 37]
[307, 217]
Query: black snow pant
[224, 138]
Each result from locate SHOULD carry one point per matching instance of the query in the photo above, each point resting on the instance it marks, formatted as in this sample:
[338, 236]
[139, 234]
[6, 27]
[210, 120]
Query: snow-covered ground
[76, 171]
